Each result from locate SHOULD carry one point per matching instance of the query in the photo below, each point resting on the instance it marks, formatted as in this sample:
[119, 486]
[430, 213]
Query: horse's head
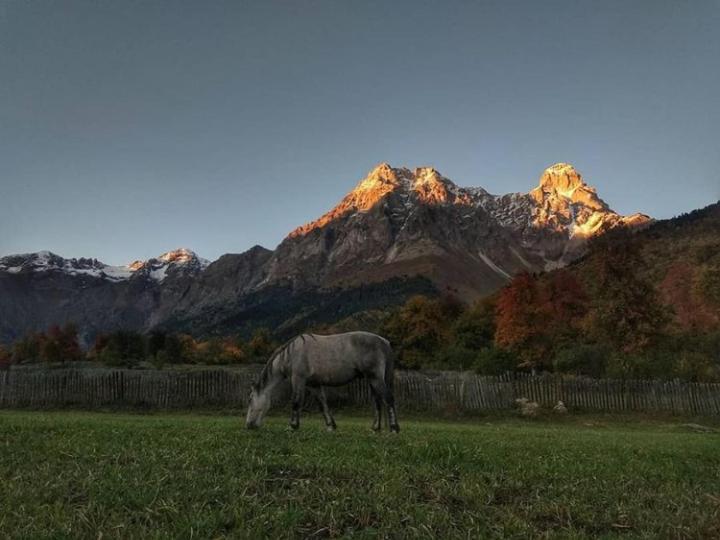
[258, 406]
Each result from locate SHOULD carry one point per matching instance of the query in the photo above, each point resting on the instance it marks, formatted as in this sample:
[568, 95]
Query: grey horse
[315, 361]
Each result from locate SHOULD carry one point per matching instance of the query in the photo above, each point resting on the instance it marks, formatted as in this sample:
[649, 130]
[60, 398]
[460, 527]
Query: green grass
[75, 475]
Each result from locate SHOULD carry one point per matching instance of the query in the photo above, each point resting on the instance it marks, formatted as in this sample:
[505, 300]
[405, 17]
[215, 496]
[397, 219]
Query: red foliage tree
[677, 290]
[519, 321]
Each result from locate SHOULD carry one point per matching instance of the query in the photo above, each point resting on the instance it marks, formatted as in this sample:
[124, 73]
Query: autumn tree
[519, 321]
[419, 328]
[563, 305]
[626, 312]
[27, 348]
[261, 344]
[474, 329]
[689, 303]
[5, 357]
[708, 285]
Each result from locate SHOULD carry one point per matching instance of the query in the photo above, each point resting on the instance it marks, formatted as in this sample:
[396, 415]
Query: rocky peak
[432, 187]
[381, 181]
[179, 256]
[562, 186]
[562, 178]
[424, 184]
[180, 260]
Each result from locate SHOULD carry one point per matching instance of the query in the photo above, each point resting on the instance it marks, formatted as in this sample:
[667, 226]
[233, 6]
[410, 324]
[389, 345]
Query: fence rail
[448, 391]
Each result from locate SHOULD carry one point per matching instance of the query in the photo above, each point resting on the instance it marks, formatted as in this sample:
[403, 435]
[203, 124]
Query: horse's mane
[267, 368]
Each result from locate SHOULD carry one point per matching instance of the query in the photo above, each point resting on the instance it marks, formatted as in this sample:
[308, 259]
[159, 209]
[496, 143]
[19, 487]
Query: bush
[494, 361]
[160, 359]
[414, 359]
[582, 359]
[112, 357]
[455, 357]
[696, 366]
[5, 357]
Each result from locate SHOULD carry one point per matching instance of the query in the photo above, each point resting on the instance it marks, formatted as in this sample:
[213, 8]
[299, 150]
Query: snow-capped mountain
[397, 232]
[397, 221]
[180, 260]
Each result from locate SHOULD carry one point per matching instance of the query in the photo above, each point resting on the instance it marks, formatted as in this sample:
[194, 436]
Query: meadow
[111, 475]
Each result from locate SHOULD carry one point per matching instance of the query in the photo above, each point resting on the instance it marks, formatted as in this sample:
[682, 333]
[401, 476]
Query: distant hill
[681, 258]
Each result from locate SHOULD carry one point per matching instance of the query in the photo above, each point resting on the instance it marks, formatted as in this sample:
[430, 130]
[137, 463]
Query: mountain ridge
[395, 224]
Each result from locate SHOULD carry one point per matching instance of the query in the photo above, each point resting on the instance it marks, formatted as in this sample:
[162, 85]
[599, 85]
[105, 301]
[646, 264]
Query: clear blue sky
[129, 128]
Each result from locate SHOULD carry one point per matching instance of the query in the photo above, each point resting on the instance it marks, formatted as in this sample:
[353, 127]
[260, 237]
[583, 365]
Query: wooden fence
[445, 391]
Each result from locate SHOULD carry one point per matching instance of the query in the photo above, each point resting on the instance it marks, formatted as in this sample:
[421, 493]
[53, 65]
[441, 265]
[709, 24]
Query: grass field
[107, 475]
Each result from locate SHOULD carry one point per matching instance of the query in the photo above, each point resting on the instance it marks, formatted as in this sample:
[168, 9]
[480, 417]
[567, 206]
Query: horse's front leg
[329, 420]
[298, 397]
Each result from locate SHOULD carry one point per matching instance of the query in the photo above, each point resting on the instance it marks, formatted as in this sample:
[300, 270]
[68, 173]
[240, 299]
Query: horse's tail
[390, 361]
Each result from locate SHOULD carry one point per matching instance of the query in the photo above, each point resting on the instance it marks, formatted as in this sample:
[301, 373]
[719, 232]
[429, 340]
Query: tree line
[126, 348]
[607, 320]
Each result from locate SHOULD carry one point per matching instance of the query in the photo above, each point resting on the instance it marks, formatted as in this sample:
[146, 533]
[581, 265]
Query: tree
[59, 344]
[27, 349]
[261, 344]
[419, 328]
[5, 357]
[563, 305]
[174, 350]
[475, 327]
[581, 359]
[691, 312]
[626, 313]
[709, 285]
[123, 347]
[519, 322]
[156, 342]
[493, 361]
[69, 345]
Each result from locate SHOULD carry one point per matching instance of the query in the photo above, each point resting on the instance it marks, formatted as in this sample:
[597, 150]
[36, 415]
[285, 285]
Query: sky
[131, 128]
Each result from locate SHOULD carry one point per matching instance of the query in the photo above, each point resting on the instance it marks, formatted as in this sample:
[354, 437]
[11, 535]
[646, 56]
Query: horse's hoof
[331, 428]
[395, 429]
[294, 427]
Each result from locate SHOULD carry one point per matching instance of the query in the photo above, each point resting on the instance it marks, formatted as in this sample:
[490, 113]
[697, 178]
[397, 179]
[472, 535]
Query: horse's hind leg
[329, 420]
[392, 414]
[377, 392]
[298, 396]
[383, 394]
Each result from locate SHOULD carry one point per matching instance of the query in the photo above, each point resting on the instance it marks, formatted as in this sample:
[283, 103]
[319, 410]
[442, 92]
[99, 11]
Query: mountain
[401, 222]
[41, 289]
[178, 262]
[399, 232]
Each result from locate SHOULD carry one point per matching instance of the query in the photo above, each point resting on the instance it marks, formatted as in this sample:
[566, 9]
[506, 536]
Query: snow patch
[521, 258]
[494, 266]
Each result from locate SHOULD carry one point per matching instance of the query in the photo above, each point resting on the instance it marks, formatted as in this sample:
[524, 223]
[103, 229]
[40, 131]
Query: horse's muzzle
[251, 425]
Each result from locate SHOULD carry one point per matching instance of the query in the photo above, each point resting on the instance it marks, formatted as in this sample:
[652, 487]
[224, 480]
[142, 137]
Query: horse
[315, 361]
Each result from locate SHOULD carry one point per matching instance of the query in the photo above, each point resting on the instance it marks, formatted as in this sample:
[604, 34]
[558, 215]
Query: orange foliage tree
[535, 317]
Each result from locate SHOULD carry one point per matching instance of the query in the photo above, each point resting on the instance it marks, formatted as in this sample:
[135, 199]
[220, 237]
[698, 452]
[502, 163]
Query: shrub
[582, 359]
[455, 357]
[160, 359]
[696, 366]
[5, 357]
[494, 361]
